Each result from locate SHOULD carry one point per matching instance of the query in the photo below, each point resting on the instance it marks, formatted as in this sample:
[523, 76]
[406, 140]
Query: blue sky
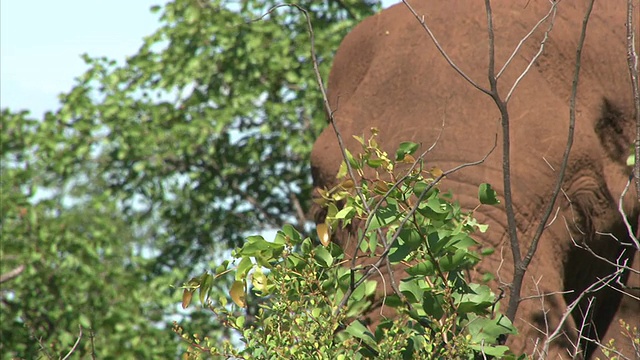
[41, 43]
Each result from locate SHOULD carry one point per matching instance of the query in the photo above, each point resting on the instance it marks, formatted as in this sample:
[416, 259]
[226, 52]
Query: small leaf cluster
[296, 284]
[309, 294]
[630, 334]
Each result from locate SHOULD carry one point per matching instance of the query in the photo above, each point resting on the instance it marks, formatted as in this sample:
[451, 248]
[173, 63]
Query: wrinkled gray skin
[388, 74]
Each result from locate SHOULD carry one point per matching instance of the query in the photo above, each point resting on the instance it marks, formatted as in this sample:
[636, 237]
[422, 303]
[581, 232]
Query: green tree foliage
[152, 167]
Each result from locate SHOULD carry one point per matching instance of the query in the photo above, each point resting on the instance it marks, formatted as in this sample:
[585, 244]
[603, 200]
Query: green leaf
[433, 304]
[259, 281]
[398, 252]
[346, 213]
[487, 195]
[478, 299]
[496, 351]
[243, 268]
[222, 267]
[405, 148]
[481, 227]
[375, 163]
[383, 217]
[488, 330]
[306, 246]
[453, 262]
[84, 321]
[412, 289]
[240, 320]
[206, 282]
[487, 251]
[323, 257]
[424, 268]
[434, 208]
[352, 161]
[292, 234]
[342, 171]
[191, 15]
[254, 246]
[359, 331]
[422, 186]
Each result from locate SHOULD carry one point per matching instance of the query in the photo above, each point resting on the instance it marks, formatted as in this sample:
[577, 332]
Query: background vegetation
[151, 170]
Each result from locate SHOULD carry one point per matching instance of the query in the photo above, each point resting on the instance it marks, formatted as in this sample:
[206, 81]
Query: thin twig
[441, 50]
[586, 247]
[627, 225]
[11, 274]
[521, 267]
[545, 295]
[93, 345]
[525, 38]
[613, 350]
[300, 217]
[73, 348]
[595, 287]
[537, 55]
[585, 322]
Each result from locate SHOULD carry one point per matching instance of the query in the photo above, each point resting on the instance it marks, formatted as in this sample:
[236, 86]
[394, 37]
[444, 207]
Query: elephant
[388, 74]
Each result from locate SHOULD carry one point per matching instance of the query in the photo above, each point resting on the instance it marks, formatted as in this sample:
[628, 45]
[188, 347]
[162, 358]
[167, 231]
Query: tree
[150, 168]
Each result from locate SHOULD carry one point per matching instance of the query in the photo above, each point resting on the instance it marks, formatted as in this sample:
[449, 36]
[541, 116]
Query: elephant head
[388, 74]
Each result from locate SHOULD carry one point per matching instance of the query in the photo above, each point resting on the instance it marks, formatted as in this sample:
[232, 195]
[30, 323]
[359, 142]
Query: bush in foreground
[294, 298]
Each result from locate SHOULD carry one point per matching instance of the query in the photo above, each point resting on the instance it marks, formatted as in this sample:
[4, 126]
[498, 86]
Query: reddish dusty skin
[388, 74]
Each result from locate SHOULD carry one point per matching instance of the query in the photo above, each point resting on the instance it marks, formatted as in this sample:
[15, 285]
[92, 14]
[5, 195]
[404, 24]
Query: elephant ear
[615, 131]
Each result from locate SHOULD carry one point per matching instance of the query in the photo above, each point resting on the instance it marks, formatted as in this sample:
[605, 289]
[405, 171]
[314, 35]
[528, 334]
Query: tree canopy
[152, 167]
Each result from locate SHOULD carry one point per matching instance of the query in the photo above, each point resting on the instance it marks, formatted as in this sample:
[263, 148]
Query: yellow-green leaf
[238, 294]
[186, 298]
[436, 171]
[259, 280]
[324, 234]
[348, 184]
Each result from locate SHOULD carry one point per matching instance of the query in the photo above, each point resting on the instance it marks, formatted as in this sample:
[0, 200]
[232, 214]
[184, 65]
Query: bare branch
[565, 159]
[537, 55]
[632, 60]
[11, 274]
[621, 355]
[586, 319]
[624, 293]
[441, 50]
[300, 217]
[526, 37]
[73, 348]
[596, 286]
[545, 295]
[518, 269]
[632, 236]
[586, 247]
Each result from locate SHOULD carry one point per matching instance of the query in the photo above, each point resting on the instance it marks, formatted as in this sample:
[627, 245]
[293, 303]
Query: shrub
[307, 297]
